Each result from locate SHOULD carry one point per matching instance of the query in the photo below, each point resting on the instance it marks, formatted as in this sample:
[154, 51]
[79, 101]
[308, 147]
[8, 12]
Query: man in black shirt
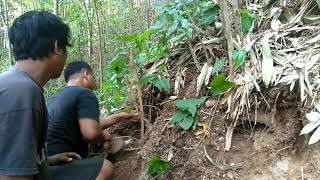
[39, 40]
[74, 114]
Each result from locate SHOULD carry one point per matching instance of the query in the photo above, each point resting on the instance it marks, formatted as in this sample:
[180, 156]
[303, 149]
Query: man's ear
[85, 73]
[57, 50]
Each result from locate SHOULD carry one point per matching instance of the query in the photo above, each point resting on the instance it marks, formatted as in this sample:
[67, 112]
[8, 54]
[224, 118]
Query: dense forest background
[95, 24]
[225, 89]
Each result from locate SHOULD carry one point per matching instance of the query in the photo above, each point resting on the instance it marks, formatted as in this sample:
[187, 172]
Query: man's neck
[75, 82]
[36, 69]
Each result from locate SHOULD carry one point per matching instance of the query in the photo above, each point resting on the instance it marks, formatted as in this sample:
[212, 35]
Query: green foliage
[114, 90]
[239, 58]
[247, 20]
[187, 115]
[173, 22]
[190, 105]
[220, 85]
[218, 65]
[157, 81]
[158, 166]
[209, 13]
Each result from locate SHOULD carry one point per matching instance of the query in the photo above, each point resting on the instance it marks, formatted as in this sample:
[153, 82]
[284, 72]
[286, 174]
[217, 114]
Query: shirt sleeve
[18, 147]
[87, 106]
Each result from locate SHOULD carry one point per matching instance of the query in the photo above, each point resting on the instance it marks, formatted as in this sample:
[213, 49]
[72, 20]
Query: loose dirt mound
[265, 144]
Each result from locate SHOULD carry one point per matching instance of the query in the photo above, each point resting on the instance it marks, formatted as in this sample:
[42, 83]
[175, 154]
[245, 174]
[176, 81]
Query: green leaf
[173, 27]
[218, 65]
[187, 122]
[185, 24]
[210, 15]
[158, 166]
[161, 22]
[147, 78]
[190, 105]
[246, 20]
[220, 85]
[178, 117]
[162, 84]
[239, 58]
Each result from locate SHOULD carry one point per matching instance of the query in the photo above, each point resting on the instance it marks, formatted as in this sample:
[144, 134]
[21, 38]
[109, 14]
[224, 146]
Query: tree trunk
[4, 17]
[90, 50]
[56, 7]
[79, 44]
[100, 44]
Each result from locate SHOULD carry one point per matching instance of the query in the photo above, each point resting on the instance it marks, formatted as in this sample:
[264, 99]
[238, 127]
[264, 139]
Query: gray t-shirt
[23, 124]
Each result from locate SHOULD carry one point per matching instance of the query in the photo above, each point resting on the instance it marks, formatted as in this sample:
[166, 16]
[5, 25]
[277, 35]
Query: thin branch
[209, 60]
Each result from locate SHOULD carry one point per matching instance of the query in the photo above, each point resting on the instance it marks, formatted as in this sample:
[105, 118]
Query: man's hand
[119, 117]
[123, 116]
[63, 158]
[107, 135]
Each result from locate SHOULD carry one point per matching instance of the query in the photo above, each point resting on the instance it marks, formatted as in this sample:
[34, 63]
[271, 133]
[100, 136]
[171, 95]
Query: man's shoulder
[17, 81]
[76, 91]
[69, 95]
[17, 92]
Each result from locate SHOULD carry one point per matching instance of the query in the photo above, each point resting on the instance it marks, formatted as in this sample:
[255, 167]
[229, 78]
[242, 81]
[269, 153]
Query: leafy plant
[187, 115]
[239, 58]
[314, 122]
[247, 19]
[221, 85]
[173, 21]
[208, 13]
[158, 166]
[159, 82]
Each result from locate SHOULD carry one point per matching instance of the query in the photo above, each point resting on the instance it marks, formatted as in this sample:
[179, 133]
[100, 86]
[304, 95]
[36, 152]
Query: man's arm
[92, 131]
[62, 158]
[110, 120]
[88, 114]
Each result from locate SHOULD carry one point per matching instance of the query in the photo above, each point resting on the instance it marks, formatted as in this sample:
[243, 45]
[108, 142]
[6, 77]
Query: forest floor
[263, 148]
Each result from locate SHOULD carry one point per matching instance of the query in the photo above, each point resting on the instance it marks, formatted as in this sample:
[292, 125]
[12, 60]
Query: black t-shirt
[66, 108]
[23, 124]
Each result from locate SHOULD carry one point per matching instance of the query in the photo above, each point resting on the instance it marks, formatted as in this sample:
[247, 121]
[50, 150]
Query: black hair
[34, 33]
[76, 67]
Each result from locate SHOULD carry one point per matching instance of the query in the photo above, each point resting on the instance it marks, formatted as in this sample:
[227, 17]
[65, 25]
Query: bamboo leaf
[308, 128]
[317, 103]
[201, 78]
[313, 117]
[267, 61]
[315, 136]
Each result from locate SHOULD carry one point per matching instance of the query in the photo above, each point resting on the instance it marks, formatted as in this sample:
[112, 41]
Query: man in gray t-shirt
[39, 40]
[23, 123]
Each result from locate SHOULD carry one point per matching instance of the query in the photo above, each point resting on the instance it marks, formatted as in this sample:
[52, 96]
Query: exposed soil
[267, 147]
